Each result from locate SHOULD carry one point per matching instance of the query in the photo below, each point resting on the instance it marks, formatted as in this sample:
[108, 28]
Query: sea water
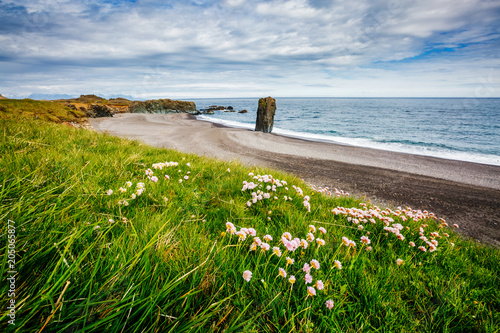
[466, 129]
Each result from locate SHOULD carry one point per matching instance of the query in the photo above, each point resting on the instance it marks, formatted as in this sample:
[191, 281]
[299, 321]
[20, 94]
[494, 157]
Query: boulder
[243, 111]
[163, 106]
[265, 115]
[98, 110]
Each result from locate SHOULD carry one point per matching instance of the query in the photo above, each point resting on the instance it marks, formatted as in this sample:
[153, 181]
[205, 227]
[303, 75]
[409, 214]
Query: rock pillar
[265, 115]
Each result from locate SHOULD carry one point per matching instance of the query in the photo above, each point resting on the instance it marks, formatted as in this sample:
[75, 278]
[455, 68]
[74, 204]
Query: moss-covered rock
[162, 106]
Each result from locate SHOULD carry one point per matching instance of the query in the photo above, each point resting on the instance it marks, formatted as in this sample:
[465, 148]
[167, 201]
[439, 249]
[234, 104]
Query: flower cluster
[372, 217]
[286, 246]
[266, 187]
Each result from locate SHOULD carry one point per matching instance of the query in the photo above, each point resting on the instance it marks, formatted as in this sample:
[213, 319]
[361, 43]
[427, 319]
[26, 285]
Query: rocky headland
[163, 106]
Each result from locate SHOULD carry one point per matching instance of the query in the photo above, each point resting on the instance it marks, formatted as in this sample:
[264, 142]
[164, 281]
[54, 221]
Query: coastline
[461, 192]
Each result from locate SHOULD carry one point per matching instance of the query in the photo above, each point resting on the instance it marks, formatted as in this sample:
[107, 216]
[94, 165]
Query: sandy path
[461, 192]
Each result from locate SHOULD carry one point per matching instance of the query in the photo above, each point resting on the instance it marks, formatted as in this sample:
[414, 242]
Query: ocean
[466, 129]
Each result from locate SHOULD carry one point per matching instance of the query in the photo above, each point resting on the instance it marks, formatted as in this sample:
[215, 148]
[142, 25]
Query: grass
[44, 110]
[167, 261]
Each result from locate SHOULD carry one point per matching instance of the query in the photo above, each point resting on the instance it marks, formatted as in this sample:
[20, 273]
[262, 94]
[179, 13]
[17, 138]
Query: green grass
[44, 110]
[168, 264]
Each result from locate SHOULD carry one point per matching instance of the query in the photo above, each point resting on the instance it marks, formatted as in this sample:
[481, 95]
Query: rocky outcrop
[265, 115]
[163, 106]
[89, 99]
[98, 110]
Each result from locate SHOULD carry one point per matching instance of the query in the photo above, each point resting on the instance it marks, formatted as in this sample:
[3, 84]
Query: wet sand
[460, 192]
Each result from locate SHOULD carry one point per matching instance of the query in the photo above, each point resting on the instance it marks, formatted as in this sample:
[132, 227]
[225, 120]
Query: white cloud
[285, 46]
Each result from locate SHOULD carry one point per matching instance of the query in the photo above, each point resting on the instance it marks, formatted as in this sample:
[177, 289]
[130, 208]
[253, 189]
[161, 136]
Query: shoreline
[311, 137]
[465, 193]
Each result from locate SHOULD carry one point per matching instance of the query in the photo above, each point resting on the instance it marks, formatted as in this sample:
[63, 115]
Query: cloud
[206, 45]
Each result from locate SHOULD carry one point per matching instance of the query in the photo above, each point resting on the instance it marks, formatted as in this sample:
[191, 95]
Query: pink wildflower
[311, 291]
[308, 278]
[329, 304]
[365, 240]
[282, 272]
[306, 268]
[337, 264]
[291, 279]
[320, 285]
[315, 264]
[247, 275]
[322, 230]
[399, 261]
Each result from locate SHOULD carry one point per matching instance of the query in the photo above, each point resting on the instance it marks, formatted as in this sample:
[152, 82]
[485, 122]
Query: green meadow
[112, 235]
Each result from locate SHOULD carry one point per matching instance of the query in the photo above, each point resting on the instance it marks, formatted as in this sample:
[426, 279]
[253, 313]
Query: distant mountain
[50, 97]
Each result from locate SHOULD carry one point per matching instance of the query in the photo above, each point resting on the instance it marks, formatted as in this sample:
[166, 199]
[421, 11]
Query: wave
[403, 146]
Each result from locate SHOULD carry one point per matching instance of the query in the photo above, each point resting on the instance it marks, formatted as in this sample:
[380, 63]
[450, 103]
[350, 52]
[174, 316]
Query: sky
[149, 49]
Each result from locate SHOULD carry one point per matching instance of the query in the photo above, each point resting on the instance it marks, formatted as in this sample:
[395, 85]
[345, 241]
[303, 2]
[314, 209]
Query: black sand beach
[464, 193]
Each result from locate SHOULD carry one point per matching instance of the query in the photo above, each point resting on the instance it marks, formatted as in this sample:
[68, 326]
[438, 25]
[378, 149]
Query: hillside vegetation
[112, 235]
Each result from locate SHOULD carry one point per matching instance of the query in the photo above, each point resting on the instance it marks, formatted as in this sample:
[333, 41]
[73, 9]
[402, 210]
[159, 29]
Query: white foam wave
[367, 143]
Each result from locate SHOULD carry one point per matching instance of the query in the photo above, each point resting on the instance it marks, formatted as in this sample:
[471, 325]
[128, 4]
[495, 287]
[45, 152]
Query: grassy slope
[166, 263]
[27, 108]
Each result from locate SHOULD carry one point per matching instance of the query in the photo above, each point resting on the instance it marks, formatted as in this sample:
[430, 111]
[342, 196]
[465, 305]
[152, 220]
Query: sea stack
[265, 115]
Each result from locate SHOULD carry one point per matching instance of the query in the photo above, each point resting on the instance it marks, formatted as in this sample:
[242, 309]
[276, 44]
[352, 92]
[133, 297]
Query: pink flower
[322, 230]
[282, 272]
[422, 248]
[241, 235]
[306, 268]
[311, 291]
[320, 285]
[320, 241]
[265, 247]
[247, 275]
[337, 264]
[291, 279]
[252, 232]
[289, 261]
[304, 244]
[315, 264]
[329, 304]
[310, 237]
[456, 226]
[277, 251]
[287, 236]
[412, 244]
[154, 178]
[365, 240]
[399, 261]
[308, 278]
[230, 228]
[167, 177]
[312, 228]
[268, 238]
